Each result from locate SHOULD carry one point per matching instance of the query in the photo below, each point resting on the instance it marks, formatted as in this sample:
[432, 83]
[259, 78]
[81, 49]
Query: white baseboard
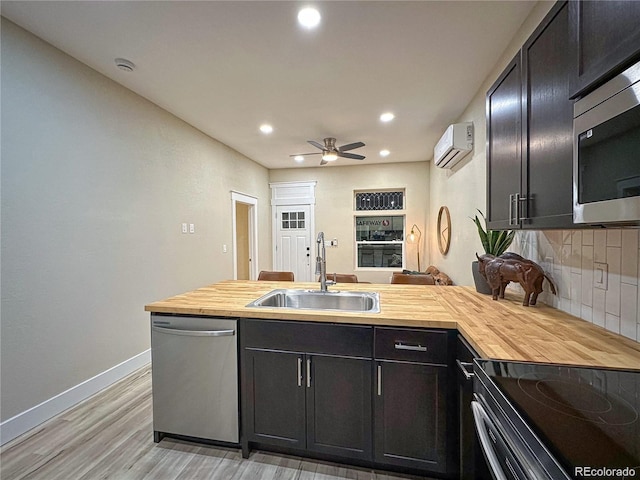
[25, 421]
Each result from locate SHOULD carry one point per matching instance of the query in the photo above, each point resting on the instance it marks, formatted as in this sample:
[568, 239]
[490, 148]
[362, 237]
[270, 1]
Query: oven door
[502, 462]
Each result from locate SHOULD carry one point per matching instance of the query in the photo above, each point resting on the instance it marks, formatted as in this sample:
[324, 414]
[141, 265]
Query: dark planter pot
[481, 283]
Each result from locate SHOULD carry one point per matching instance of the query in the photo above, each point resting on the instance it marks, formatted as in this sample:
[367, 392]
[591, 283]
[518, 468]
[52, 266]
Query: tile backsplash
[595, 272]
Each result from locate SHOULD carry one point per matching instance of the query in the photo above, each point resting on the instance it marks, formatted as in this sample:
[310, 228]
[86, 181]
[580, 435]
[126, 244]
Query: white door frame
[292, 193]
[237, 197]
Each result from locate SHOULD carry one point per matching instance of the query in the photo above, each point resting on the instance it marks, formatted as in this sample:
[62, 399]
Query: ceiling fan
[330, 152]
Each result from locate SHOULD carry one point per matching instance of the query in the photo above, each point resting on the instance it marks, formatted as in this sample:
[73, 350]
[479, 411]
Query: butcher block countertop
[502, 329]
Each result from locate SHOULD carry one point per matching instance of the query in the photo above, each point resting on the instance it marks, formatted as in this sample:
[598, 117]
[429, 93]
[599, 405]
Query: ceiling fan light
[329, 156]
[299, 158]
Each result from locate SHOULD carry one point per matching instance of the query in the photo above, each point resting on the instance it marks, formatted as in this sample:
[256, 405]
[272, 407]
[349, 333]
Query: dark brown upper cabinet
[529, 132]
[605, 36]
[547, 125]
[504, 159]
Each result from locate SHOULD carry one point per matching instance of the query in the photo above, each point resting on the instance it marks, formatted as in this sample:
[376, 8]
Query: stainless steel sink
[368, 302]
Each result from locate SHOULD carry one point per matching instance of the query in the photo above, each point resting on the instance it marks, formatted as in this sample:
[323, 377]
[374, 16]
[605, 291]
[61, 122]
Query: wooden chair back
[276, 276]
[419, 279]
[342, 277]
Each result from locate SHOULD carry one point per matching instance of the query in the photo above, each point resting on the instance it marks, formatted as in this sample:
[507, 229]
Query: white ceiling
[227, 67]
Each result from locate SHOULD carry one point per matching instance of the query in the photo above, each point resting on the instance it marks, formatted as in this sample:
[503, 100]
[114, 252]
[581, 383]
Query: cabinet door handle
[511, 210]
[521, 199]
[379, 380]
[299, 371]
[308, 372]
[467, 375]
[517, 201]
[414, 348]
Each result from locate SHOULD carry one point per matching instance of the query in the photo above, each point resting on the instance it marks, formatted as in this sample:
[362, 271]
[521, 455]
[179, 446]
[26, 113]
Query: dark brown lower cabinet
[411, 415]
[471, 463]
[307, 387]
[339, 406]
[373, 396]
[311, 402]
[275, 412]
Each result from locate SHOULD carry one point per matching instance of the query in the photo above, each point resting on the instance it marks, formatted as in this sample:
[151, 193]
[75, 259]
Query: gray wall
[95, 184]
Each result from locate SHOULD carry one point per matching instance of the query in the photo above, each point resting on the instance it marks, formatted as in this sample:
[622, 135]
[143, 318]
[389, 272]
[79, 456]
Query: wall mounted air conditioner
[455, 144]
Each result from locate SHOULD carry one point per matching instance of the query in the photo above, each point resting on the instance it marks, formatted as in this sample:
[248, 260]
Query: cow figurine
[511, 267]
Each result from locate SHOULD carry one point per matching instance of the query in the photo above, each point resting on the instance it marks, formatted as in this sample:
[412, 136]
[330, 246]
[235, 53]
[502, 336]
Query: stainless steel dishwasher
[194, 372]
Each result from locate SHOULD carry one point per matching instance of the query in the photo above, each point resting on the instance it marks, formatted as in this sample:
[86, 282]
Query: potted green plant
[494, 242]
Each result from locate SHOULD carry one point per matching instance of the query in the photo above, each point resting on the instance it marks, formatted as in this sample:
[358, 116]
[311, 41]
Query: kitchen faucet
[321, 263]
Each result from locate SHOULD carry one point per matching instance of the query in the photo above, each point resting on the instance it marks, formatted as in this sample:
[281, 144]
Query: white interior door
[293, 241]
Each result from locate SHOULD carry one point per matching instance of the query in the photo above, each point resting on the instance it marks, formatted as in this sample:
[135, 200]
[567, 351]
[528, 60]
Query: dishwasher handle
[194, 333]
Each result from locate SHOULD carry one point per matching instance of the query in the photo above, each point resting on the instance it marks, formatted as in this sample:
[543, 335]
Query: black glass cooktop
[586, 417]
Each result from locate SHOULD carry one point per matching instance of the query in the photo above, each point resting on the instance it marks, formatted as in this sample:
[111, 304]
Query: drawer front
[412, 345]
[308, 337]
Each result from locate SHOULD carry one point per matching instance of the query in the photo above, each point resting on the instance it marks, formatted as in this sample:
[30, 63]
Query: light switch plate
[192, 228]
[184, 228]
[600, 275]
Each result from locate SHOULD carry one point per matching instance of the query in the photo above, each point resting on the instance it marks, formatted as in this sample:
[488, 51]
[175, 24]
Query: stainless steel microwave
[606, 153]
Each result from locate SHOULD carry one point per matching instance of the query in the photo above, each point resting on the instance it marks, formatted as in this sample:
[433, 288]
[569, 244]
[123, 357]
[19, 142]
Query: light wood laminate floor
[110, 436]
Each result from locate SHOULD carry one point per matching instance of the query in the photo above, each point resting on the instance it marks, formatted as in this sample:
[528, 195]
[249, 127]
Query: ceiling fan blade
[316, 144]
[323, 162]
[353, 156]
[303, 154]
[350, 146]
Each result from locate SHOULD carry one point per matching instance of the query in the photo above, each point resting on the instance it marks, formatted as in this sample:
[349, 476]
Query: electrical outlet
[184, 228]
[224, 248]
[600, 275]
[192, 228]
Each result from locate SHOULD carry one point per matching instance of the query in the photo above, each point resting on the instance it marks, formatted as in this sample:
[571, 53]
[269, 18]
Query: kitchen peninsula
[373, 389]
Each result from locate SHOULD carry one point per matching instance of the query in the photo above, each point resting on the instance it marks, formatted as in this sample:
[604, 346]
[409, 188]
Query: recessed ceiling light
[266, 128]
[299, 158]
[124, 64]
[387, 117]
[384, 153]
[309, 17]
